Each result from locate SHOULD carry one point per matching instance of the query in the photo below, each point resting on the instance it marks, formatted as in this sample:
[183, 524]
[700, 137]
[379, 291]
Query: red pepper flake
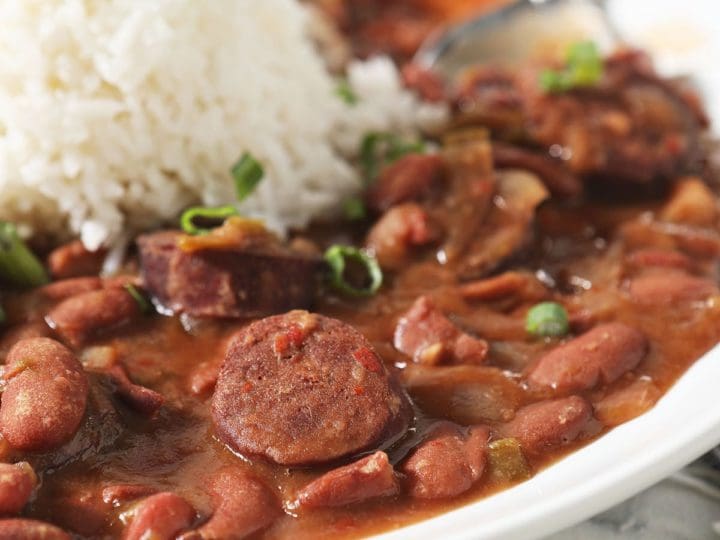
[247, 386]
[296, 335]
[368, 359]
[281, 345]
[359, 390]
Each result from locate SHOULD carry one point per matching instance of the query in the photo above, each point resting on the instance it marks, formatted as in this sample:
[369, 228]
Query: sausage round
[601, 355]
[45, 395]
[301, 388]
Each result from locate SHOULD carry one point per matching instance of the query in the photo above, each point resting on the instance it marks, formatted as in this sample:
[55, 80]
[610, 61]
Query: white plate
[684, 37]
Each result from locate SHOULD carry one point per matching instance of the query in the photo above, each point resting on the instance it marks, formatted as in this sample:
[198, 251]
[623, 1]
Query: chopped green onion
[338, 256]
[219, 214]
[354, 209]
[247, 173]
[346, 93]
[18, 265]
[139, 297]
[507, 461]
[547, 319]
[379, 149]
[583, 67]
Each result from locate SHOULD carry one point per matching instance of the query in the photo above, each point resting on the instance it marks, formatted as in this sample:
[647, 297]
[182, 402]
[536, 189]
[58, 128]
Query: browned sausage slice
[29, 529]
[243, 506]
[16, 485]
[367, 478]
[81, 317]
[160, 517]
[601, 355]
[429, 337]
[228, 281]
[448, 462]
[301, 388]
[549, 424]
[45, 395]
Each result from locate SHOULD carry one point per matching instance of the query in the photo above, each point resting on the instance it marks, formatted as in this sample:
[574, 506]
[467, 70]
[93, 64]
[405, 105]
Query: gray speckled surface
[685, 506]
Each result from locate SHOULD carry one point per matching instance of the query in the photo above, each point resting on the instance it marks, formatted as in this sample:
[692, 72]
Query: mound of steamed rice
[116, 115]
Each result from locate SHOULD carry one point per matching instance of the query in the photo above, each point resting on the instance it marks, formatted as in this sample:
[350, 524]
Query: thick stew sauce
[543, 273]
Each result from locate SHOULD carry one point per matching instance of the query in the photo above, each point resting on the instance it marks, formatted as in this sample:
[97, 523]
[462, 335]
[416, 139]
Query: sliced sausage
[367, 478]
[227, 281]
[81, 317]
[283, 377]
[45, 395]
[74, 260]
[409, 178]
[397, 232]
[243, 506]
[429, 337]
[29, 529]
[16, 485]
[448, 462]
[160, 517]
[670, 288]
[601, 355]
[546, 425]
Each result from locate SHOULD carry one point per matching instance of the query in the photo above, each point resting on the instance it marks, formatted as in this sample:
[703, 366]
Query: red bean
[45, 395]
[139, 398]
[122, 493]
[73, 260]
[243, 506]
[16, 485]
[80, 317]
[549, 424]
[160, 517]
[656, 257]
[367, 478]
[60, 290]
[29, 529]
[601, 355]
[409, 178]
[448, 462]
[670, 288]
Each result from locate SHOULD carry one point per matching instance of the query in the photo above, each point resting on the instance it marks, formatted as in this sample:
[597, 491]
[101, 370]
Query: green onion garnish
[378, 149]
[583, 67]
[338, 257]
[139, 297]
[219, 214]
[346, 93]
[547, 319]
[247, 173]
[354, 209]
[18, 265]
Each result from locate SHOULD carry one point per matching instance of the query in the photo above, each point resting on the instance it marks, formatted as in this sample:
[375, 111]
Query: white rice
[117, 114]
